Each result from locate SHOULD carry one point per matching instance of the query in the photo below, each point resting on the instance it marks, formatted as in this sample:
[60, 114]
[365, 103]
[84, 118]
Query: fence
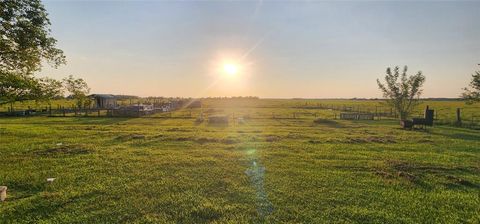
[377, 111]
[469, 117]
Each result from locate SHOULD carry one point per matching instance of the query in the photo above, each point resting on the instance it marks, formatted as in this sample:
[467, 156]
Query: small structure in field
[134, 110]
[356, 116]
[3, 193]
[104, 101]
[367, 116]
[162, 107]
[426, 120]
[177, 104]
[218, 119]
[348, 116]
[165, 108]
[241, 120]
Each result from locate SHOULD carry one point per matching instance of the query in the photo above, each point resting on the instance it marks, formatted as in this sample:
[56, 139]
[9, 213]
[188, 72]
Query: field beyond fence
[445, 111]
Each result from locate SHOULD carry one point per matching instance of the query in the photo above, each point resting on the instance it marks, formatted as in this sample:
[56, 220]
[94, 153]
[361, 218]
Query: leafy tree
[25, 37]
[401, 91]
[78, 90]
[25, 42]
[15, 87]
[47, 89]
[472, 94]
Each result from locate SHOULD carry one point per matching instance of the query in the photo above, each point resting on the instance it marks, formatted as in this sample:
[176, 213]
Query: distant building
[176, 105]
[135, 110]
[104, 101]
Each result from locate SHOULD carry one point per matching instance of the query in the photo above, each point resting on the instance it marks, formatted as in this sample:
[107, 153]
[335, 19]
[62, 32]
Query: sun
[230, 69]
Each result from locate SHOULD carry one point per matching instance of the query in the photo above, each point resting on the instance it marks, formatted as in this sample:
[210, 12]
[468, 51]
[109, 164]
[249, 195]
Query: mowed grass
[162, 170]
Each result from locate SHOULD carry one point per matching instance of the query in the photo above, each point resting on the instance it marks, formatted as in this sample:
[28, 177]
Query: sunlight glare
[230, 69]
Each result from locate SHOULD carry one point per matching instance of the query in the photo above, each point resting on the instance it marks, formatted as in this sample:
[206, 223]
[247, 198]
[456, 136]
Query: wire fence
[444, 115]
[465, 117]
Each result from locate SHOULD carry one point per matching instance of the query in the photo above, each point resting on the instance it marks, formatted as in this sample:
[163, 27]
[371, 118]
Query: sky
[308, 49]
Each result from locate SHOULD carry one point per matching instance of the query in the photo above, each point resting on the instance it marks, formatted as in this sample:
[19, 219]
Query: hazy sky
[283, 49]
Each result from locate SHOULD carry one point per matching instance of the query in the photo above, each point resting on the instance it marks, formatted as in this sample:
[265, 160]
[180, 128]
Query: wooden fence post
[459, 118]
[138, 109]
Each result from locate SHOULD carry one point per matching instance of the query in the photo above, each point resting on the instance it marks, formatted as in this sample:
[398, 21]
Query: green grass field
[284, 170]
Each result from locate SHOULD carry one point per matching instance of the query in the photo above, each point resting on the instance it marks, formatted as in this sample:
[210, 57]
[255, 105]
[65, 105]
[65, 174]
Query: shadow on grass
[23, 189]
[218, 125]
[101, 120]
[65, 120]
[43, 206]
[458, 183]
[64, 150]
[417, 174]
[458, 134]
[328, 122]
